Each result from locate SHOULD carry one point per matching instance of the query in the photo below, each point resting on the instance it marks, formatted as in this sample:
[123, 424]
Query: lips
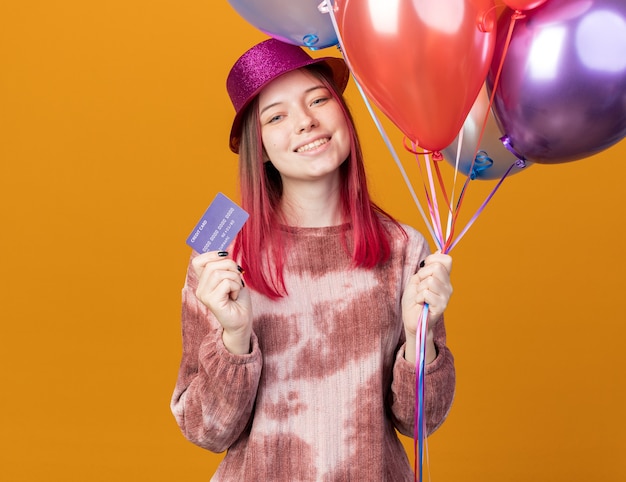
[313, 145]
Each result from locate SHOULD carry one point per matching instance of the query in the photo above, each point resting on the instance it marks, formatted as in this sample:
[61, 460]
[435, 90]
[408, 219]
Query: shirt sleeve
[215, 390]
[439, 387]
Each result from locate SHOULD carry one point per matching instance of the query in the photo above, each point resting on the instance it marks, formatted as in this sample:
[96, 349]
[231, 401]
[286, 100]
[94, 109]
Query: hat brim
[341, 76]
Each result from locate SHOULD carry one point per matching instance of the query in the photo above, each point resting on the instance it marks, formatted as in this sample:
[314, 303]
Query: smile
[313, 145]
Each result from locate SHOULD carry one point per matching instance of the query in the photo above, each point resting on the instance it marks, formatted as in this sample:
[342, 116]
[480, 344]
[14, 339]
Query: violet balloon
[562, 91]
[493, 159]
[298, 22]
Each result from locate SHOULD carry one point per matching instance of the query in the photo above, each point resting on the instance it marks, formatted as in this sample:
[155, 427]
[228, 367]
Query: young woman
[299, 343]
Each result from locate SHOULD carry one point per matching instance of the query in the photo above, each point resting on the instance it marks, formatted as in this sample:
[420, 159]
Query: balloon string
[381, 130]
[518, 163]
[514, 17]
[454, 181]
[431, 200]
[433, 204]
[419, 421]
[436, 155]
[442, 184]
[411, 148]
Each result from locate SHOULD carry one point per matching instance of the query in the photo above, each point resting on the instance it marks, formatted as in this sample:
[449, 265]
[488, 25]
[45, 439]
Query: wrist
[238, 343]
[410, 349]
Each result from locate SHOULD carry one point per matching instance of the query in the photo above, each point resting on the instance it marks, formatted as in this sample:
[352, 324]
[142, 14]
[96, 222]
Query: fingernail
[222, 253]
[240, 269]
[422, 263]
[243, 285]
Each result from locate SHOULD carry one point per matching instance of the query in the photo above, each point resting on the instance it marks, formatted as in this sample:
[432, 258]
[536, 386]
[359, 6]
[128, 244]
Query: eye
[273, 119]
[320, 101]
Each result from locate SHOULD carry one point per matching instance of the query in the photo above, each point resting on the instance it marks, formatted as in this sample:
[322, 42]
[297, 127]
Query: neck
[312, 206]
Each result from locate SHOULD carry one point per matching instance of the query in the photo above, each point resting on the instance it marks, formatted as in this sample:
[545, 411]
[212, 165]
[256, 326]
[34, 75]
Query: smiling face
[303, 128]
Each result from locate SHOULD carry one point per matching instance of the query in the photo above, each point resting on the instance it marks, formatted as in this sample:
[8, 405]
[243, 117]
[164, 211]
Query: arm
[430, 284]
[216, 389]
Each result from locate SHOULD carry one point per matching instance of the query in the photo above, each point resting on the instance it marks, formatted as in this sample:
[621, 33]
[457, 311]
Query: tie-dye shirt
[326, 385]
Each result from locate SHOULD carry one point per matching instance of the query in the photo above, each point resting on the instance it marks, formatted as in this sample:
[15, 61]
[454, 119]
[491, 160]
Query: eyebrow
[310, 89]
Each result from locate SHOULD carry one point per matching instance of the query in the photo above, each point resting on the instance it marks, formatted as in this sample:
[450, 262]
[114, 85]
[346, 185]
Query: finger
[199, 262]
[438, 298]
[229, 290]
[213, 259]
[437, 287]
[217, 290]
[213, 276]
[437, 259]
[435, 275]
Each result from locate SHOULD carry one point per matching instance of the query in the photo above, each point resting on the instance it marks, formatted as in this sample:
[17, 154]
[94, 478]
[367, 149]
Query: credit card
[219, 225]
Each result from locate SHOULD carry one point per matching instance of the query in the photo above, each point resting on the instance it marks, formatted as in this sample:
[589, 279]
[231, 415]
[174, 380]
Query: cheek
[342, 131]
[270, 149]
[268, 145]
[345, 143]
[272, 141]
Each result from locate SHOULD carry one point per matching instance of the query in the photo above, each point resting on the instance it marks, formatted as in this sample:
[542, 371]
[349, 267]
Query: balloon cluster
[553, 86]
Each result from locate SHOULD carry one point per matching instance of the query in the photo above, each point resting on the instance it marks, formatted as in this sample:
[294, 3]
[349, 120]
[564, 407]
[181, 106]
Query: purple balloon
[298, 22]
[562, 90]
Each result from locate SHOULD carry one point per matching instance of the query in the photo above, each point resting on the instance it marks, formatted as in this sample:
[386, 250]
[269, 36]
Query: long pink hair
[260, 247]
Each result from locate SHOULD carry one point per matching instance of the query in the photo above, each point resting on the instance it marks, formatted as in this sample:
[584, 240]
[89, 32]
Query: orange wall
[113, 140]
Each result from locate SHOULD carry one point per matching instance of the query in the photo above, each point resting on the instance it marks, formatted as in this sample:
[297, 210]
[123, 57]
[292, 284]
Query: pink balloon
[422, 62]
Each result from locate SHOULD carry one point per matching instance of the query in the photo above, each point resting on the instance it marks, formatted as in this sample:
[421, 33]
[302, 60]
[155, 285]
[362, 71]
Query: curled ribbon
[506, 140]
[310, 40]
[481, 163]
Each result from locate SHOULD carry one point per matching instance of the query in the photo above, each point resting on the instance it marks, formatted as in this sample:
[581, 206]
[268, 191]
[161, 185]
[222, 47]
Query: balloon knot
[486, 21]
[412, 148]
[310, 40]
[324, 7]
[482, 162]
[409, 147]
[506, 140]
[517, 15]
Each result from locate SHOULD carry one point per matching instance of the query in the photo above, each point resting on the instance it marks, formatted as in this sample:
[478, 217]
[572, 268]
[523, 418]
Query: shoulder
[407, 244]
[415, 242]
[412, 233]
[402, 233]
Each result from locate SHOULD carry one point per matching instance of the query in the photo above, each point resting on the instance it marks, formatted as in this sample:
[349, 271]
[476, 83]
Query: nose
[306, 121]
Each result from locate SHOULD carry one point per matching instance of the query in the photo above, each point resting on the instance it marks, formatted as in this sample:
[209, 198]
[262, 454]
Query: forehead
[292, 83]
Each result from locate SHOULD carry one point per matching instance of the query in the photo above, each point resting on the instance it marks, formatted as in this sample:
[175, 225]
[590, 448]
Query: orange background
[113, 140]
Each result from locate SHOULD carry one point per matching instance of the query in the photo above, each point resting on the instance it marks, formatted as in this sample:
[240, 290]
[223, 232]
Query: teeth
[312, 145]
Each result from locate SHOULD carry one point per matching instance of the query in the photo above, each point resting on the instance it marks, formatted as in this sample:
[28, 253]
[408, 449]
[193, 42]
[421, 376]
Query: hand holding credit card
[219, 225]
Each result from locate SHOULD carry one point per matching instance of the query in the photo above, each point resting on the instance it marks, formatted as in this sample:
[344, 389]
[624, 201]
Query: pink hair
[260, 246]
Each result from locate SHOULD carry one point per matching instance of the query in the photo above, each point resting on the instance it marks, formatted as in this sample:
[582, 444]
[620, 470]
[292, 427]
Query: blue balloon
[298, 22]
